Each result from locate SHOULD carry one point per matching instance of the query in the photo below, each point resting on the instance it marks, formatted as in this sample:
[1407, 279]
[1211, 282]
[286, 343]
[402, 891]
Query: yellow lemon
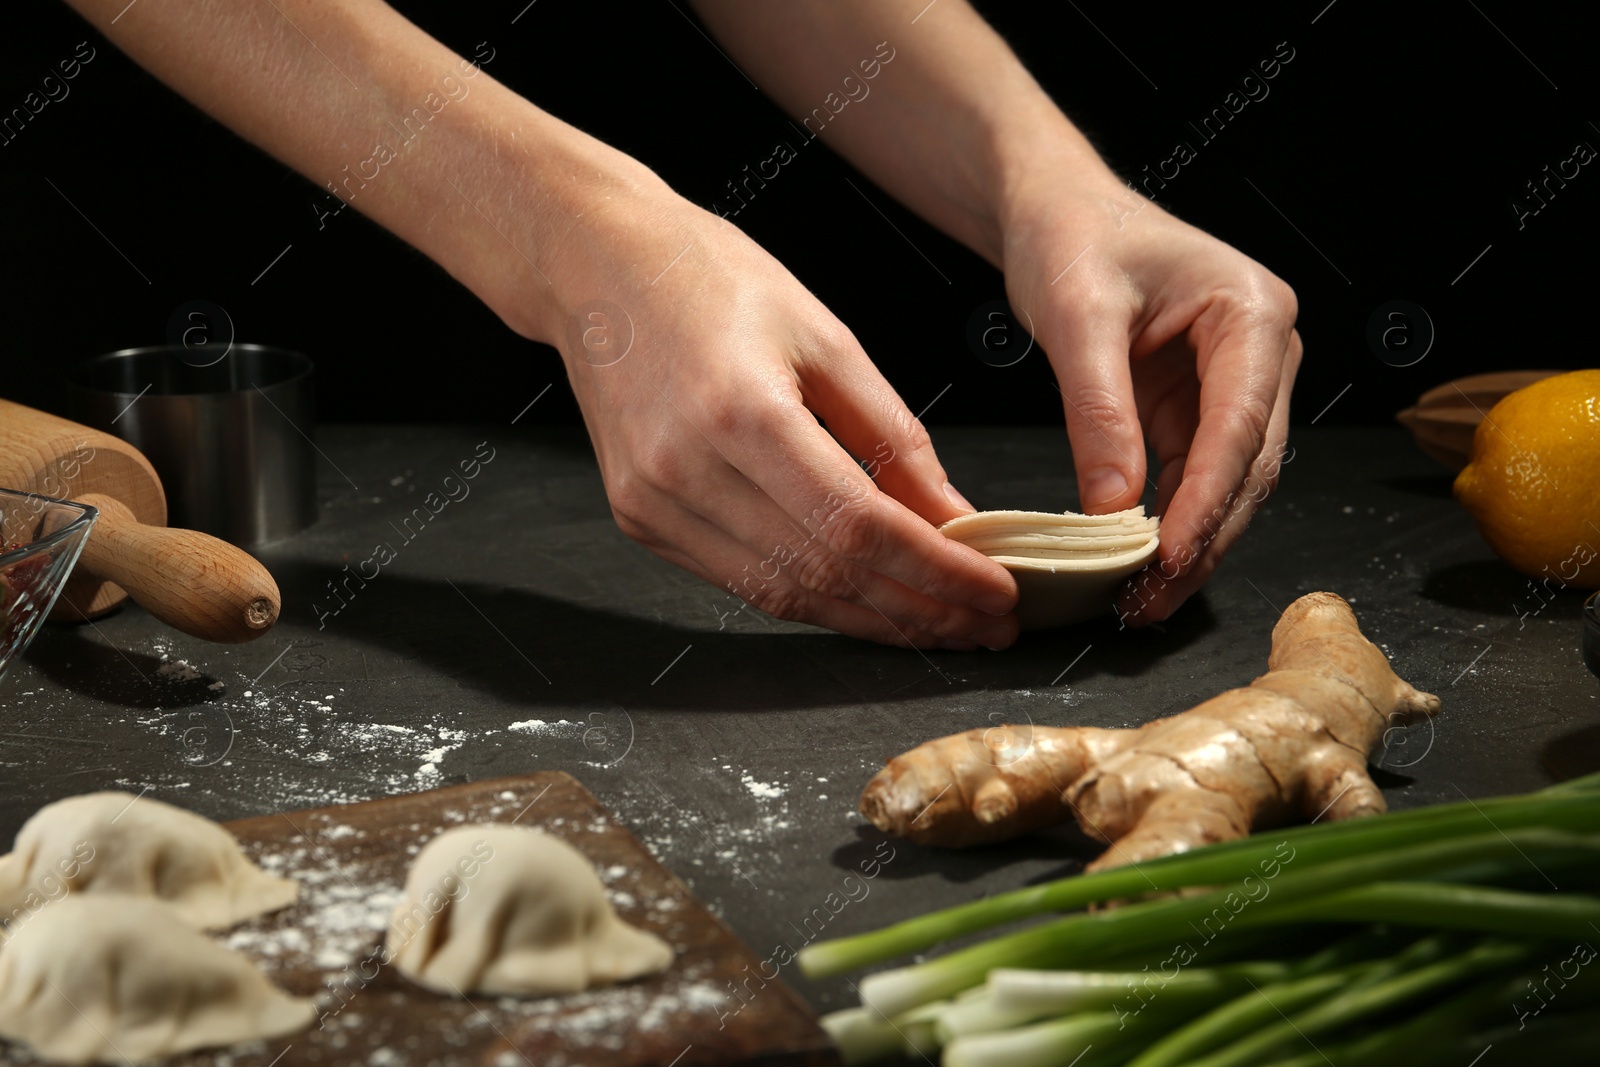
[1533, 483]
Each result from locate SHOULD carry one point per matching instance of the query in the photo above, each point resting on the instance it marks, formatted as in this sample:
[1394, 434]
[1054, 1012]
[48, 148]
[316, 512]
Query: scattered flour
[603, 1018]
[761, 789]
[538, 727]
[339, 921]
[178, 671]
[429, 771]
[685, 838]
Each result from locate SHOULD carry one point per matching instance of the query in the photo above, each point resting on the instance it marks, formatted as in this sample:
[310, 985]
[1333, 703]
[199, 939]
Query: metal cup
[230, 435]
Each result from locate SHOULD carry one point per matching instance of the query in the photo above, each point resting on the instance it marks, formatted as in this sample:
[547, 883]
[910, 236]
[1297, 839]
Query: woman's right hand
[706, 429]
[703, 367]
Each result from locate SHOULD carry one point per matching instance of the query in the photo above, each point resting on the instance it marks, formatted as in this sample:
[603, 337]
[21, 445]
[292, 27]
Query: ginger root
[1293, 742]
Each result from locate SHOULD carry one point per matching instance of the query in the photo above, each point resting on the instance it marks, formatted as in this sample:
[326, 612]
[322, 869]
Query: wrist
[507, 201]
[1040, 159]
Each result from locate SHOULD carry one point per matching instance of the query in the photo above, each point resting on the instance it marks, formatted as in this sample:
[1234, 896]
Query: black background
[1395, 141]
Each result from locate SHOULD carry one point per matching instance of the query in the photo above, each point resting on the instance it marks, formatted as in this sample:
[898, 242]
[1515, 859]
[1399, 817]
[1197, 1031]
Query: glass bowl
[40, 540]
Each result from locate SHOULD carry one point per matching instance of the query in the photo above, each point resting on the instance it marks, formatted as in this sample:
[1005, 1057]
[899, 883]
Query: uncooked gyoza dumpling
[502, 909]
[1068, 566]
[119, 843]
[108, 978]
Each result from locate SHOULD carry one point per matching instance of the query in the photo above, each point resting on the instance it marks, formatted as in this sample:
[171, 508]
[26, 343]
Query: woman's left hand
[1158, 333]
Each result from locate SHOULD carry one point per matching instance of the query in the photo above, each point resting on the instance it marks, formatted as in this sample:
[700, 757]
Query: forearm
[376, 112]
[952, 125]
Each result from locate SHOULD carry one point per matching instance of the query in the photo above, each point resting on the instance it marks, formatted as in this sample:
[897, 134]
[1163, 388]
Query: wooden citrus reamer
[189, 580]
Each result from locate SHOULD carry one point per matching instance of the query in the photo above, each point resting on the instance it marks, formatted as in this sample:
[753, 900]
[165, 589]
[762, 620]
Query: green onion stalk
[1453, 912]
[1570, 806]
[1051, 1044]
[1267, 1022]
[1458, 1029]
[1114, 1034]
[1074, 939]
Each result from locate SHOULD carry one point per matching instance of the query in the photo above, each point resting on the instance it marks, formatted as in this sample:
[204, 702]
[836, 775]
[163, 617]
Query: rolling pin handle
[167, 572]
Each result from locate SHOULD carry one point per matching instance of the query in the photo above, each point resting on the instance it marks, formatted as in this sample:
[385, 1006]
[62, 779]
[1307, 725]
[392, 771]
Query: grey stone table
[517, 630]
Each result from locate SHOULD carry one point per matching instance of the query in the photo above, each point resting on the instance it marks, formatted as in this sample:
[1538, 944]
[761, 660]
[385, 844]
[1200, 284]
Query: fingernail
[995, 637]
[957, 499]
[1101, 485]
[993, 603]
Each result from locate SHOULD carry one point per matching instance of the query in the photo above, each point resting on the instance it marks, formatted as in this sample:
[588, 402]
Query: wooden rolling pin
[189, 580]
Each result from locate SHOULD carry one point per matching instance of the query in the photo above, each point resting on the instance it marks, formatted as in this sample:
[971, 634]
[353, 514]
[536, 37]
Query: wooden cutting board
[352, 860]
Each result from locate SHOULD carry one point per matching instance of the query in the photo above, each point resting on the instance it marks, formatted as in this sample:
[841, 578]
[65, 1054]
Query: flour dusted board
[351, 862]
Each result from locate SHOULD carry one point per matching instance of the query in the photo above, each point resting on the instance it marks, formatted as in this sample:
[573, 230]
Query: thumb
[868, 418]
[1090, 357]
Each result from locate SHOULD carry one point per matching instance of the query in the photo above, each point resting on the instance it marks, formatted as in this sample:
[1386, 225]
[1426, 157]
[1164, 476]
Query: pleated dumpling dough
[114, 842]
[1067, 566]
[501, 909]
[105, 978]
